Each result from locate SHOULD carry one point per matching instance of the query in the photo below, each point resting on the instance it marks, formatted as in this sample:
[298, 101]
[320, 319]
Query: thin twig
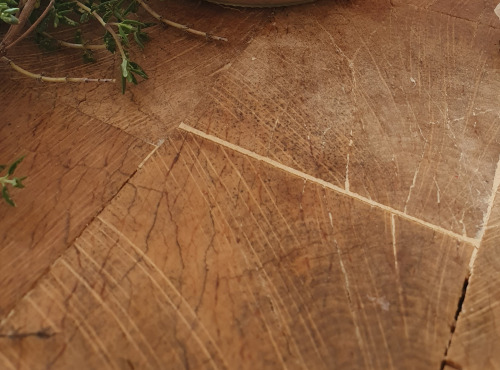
[178, 25]
[33, 26]
[75, 46]
[53, 79]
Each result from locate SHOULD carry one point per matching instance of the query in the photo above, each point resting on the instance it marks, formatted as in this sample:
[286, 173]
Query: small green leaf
[11, 11]
[45, 43]
[132, 8]
[13, 166]
[88, 56]
[107, 15]
[69, 21]
[123, 35]
[110, 42]
[134, 67]
[124, 68]
[84, 18]
[9, 19]
[117, 14]
[6, 197]
[140, 38]
[18, 182]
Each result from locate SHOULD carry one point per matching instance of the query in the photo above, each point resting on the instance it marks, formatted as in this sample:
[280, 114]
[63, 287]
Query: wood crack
[473, 241]
[448, 362]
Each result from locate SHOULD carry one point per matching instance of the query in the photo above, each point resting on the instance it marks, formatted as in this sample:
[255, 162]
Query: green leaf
[106, 16]
[9, 19]
[45, 43]
[110, 42]
[18, 182]
[11, 11]
[84, 18]
[131, 78]
[132, 8]
[117, 14]
[134, 67]
[6, 197]
[124, 68]
[123, 35]
[13, 166]
[69, 21]
[140, 38]
[88, 56]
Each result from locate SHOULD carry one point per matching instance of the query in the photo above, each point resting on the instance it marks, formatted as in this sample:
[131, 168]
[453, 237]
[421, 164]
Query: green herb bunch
[8, 180]
[118, 19]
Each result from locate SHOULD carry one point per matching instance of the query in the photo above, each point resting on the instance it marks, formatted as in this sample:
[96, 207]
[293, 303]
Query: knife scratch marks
[349, 294]
[415, 178]
[162, 291]
[397, 272]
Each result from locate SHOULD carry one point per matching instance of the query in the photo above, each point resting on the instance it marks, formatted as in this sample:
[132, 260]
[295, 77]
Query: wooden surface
[312, 194]
[477, 338]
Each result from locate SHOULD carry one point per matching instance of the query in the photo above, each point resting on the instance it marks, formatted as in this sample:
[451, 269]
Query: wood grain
[396, 103]
[75, 165]
[469, 10]
[210, 259]
[477, 338]
[327, 230]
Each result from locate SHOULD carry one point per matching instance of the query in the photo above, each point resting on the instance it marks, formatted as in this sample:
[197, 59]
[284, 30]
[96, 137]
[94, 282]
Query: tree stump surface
[319, 192]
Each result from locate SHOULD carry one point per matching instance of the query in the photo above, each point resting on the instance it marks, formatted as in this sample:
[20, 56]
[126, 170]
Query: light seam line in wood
[473, 241]
[486, 218]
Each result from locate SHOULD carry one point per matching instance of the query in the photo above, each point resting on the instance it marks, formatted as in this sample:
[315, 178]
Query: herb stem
[53, 79]
[106, 26]
[178, 25]
[75, 46]
[5, 180]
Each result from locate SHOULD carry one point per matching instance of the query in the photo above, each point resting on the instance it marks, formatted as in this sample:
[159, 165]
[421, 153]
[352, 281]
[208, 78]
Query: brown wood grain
[396, 103]
[75, 164]
[207, 258]
[323, 216]
[477, 338]
[468, 10]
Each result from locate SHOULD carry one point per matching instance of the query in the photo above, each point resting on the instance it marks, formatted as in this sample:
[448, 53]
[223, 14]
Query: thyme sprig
[8, 180]
[119, 20]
